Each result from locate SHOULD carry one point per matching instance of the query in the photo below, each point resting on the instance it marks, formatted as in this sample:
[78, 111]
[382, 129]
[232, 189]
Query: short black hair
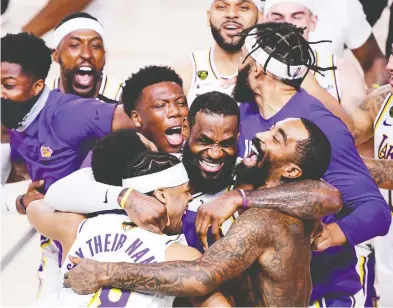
[112, 154]
[313, 155]
[147, 76]
[213, 103]
[29, 51]
[285, 42]
[75, 15]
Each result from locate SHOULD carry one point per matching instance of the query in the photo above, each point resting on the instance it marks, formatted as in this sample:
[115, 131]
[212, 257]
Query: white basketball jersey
[330, 80]
[110, 88]
[205, 76]
[383, 137]
[111, 238]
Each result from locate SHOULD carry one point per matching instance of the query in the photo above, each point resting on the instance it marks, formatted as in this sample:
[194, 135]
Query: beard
[255, 176]
[69, 78]
[230, 47]
[198, 181]
[242, 91]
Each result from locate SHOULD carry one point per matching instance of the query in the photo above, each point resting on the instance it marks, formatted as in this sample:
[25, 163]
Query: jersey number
[111, 297]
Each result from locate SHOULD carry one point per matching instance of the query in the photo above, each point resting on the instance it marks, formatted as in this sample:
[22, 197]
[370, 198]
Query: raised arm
[381, 170]
[226, 259]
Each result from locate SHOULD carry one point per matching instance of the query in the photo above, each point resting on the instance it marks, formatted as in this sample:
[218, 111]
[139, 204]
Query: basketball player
[113, 237]
[373, 122]
[301, 13]
[80, 52]
[39, 119]
[278, 245]
[333, 271]
[215, 69]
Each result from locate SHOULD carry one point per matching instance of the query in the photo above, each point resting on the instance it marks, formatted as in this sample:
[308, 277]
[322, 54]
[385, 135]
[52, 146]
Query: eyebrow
[168, 100]
[80, 40]
[284, 136]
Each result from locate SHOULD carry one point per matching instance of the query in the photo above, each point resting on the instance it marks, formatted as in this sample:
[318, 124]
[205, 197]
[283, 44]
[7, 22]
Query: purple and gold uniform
[53, 141]
[335, 280]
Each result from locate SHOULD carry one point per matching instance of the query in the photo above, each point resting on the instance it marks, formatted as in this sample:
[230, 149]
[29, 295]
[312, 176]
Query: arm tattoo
[381, 171]
[308, 199]
[226, 259]
[366, 113]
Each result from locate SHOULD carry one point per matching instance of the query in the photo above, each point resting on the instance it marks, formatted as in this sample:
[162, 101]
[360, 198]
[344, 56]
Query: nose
[86, 52]
[232, 12]
[173, 110]
[389, 66]
[262, 136]
[215, 152]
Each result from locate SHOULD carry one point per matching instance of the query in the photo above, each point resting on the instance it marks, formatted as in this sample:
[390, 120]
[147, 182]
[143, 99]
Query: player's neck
[226, 63]
[271, 97]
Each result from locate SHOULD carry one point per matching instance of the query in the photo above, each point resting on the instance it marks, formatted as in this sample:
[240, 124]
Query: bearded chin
[242, 91]
[198, 181]
[229, 47]
[255, 176]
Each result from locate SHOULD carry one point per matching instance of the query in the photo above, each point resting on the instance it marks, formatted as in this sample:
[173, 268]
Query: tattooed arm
[381, 170]
[364, 116]
[223, 261]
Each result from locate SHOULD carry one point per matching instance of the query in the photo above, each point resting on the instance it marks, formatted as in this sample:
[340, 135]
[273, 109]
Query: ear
[55, 55]
[160, 195]
[38, 86]
[185, 129]
[208, 15]
[314, 22]
[261, 18]
[258, 70]
[291, 171]
[136, 118]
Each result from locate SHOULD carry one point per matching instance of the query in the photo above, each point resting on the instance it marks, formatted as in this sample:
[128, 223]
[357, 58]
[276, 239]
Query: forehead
[293, 128]
[288, 8]
[215, 126]
[163, 90]
[11, 70]
[235, 1]
[82, 34]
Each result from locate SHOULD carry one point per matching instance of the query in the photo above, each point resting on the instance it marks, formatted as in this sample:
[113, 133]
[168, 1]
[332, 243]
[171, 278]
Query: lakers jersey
[383, 137]
[112, 238]
[205, 77]
[330, 79]
[110, 89]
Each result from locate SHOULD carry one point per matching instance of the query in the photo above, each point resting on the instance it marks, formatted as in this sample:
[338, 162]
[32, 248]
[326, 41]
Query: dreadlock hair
[147, 76]
[29, 51]
[112, 154]
[213, 103]
[149, 162]
[75, 15]
[285, 42]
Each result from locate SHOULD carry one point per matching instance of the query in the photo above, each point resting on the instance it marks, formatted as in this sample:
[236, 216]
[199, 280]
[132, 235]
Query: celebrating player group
[232, 179]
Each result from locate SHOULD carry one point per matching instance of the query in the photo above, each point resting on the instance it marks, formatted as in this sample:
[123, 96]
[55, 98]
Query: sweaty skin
[275, 242]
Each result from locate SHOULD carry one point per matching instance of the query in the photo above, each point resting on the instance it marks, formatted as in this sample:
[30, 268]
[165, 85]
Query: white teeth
[210, 164]
[85, 69]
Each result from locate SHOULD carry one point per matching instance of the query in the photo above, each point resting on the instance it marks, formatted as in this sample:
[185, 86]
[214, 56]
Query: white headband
[259, 4]
[309, 4]
[171, 177]
[76, 24]
[274, 66]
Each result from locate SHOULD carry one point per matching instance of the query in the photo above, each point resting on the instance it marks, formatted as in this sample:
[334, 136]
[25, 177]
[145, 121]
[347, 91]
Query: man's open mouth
[84, 77]
[210, 167]
[174, 136]
[256, 150]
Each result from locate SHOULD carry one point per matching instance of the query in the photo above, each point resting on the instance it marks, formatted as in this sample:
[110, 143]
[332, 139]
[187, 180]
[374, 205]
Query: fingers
[36, 184]
[67, 283]
[202, 231]
[216, 230]
[75, 260]
[322, 246]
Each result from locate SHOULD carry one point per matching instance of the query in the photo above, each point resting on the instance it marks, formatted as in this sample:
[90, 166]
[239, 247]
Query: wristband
[125, 197]
[244, 197]
[22, 204]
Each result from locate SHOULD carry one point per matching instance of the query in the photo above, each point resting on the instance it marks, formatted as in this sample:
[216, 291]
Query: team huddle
[233, 180]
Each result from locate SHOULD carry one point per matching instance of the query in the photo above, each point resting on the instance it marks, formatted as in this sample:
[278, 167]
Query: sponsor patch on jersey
[126, 226]
[46, 152]
[202, 74]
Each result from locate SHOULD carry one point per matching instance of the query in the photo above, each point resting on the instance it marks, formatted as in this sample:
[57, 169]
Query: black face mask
[13, 113]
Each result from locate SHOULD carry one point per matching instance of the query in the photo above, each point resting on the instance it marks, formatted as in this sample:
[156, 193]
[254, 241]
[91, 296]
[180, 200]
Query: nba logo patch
[202, 74]
[46, 152]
